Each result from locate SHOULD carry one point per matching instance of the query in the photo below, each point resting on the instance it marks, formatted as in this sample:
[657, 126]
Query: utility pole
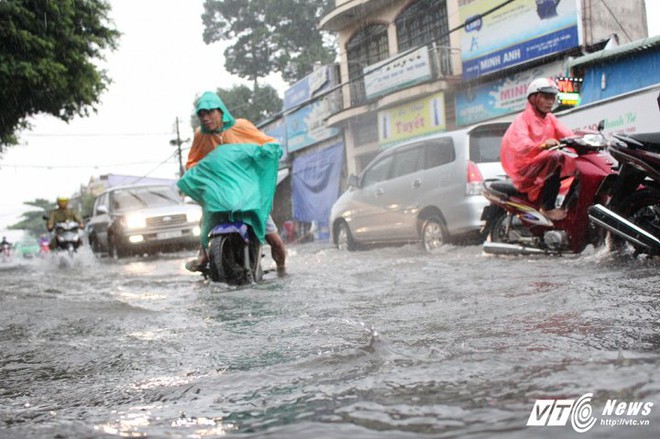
[178, 143]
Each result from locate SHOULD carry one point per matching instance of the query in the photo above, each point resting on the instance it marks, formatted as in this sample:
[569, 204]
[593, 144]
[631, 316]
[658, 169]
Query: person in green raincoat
[218, 127]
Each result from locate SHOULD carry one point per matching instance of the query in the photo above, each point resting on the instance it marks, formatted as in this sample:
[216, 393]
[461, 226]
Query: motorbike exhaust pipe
[501, 248]
[620, 226]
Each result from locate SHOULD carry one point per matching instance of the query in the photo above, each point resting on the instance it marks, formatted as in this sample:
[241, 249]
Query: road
[389, 342]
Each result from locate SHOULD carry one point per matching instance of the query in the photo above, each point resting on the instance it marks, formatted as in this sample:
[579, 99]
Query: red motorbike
[515, 225]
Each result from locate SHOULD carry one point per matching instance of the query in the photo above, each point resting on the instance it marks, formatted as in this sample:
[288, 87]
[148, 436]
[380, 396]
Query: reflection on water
[381, 343]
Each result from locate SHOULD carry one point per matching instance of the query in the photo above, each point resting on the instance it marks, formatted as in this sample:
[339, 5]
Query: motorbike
[234, 255]
[44, 246]
[515, 225]
[235, 184]
[6, 251]
[67, 237]
[632, 213]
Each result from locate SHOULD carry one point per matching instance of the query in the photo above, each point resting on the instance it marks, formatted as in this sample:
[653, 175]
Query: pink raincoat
[524, 161]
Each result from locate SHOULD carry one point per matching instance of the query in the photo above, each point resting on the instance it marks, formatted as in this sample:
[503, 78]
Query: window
[366, 47]
[407, 161]
[422, 22]
[439, 152]
[380, 171]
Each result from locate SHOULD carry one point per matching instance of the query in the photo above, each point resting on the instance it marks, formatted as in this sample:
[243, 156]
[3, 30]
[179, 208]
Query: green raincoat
[234, 182]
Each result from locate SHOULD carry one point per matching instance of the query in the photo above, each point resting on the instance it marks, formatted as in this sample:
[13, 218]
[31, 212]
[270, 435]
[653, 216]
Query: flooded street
[384, 343]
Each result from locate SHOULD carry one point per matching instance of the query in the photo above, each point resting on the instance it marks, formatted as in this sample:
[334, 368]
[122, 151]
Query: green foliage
[47, 54]
[242, 102]
[270, 36]
[33, 221]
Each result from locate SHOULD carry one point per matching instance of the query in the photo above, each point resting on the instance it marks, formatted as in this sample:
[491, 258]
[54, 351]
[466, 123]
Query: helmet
[62, 201]
[542, 85]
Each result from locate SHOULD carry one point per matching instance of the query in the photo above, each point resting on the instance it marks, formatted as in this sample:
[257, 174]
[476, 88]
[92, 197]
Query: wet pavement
[384, 343]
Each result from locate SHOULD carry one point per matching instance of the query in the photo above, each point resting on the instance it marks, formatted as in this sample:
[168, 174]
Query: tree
[33, 221]
[270, 36]
[245, 103]
[47, 54]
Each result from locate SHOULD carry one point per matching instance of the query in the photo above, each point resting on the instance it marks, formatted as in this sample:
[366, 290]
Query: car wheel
[344, 238]
[434, 234]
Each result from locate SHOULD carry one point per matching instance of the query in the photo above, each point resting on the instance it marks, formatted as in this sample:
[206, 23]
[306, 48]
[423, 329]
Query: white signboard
[389, 75]
[631, 113]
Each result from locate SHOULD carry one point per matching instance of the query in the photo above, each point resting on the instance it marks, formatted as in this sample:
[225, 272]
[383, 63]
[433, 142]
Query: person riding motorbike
[219, 127]
[524, 153]
[5, 244]
[60, 215]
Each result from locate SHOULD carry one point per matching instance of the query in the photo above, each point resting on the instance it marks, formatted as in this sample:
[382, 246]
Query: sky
[161, 65]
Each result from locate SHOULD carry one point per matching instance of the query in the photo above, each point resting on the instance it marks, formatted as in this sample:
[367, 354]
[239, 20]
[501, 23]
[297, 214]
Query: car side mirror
[352, 181]
[102, 209]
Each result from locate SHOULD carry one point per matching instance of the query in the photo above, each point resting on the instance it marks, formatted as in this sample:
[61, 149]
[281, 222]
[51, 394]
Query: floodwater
[384, 343]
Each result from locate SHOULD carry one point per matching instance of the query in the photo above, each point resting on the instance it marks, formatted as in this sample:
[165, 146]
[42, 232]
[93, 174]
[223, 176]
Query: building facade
[412, 67]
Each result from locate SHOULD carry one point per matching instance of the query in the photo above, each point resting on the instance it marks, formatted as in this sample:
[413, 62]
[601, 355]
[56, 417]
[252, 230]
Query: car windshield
[144, 197]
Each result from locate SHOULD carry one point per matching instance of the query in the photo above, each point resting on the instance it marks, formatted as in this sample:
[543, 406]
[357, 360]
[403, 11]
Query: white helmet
[542, 85]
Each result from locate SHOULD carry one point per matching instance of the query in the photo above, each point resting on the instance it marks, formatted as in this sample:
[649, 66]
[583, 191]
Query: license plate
[168, 235]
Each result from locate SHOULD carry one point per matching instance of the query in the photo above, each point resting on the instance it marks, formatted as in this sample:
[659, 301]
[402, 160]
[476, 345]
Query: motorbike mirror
[601, 125]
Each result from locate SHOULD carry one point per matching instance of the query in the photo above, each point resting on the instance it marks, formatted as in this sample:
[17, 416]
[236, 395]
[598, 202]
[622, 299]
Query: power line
[28, 134]
[157, 166]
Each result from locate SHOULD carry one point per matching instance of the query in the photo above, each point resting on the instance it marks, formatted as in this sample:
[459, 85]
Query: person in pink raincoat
[533, 169]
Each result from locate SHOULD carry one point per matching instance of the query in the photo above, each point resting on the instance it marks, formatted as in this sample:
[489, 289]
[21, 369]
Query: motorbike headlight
[136, 221]
[594, 140]
[194, 216]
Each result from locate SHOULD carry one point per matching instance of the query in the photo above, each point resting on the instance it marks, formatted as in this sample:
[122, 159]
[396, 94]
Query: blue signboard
[515, 34]
[500, 97]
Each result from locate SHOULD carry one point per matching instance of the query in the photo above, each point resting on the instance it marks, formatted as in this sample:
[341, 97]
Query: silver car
[427, 190]
[142, 219]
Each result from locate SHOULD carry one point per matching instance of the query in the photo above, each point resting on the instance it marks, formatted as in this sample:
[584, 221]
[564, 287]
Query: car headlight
[136, 221]
[194, 216]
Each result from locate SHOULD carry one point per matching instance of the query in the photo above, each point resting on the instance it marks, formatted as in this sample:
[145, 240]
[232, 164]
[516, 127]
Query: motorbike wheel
[516, 233]
[344, 238]
[226, 260]
[433, 234]
[642, 208]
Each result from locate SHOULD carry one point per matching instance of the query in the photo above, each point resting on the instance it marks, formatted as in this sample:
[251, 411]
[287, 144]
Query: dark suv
[142, 219]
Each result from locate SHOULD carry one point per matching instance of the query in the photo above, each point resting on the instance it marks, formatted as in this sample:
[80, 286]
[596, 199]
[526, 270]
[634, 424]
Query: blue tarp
[315, 183]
